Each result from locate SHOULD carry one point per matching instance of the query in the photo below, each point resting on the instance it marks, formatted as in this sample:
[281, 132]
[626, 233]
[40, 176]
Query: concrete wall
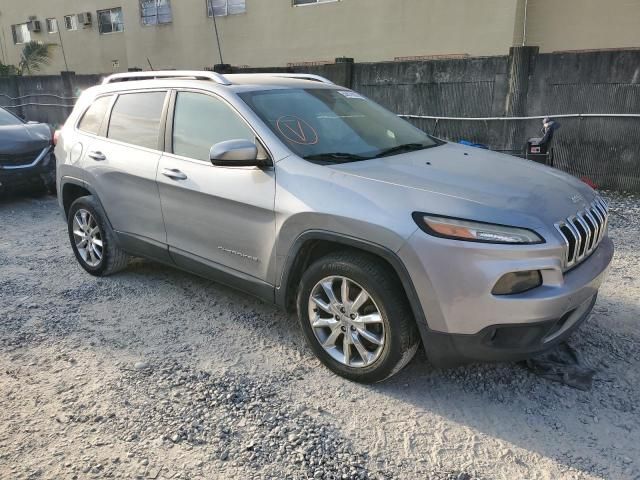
[605, 150]
[274, 33]
[524, 83]
[44, 98]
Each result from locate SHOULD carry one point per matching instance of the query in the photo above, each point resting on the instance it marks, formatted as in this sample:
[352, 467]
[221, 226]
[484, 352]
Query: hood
[475, 176]
[25, 138]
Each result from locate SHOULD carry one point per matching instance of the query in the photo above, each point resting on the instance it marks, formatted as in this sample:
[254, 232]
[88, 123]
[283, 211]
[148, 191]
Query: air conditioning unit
[84, 19]
[34, 26]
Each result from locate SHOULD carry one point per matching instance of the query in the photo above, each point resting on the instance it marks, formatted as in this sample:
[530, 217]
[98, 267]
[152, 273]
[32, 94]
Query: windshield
[335, 126]
[8, 119]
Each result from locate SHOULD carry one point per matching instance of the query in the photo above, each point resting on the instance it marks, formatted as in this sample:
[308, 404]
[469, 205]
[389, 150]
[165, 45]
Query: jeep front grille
[583, 232]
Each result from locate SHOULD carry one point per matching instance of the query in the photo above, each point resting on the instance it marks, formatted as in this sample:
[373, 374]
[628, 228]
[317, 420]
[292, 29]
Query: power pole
[64, 55]
[215, 26]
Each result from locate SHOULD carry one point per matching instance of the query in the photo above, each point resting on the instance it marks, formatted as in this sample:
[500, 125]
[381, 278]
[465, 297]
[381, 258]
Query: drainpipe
[524, 23]
[3, 47]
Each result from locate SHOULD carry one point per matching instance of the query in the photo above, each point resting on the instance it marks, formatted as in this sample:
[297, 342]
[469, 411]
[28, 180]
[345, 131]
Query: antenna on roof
[149, 62]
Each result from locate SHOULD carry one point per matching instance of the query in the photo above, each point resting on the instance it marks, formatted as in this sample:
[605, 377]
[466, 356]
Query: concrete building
[102, 36]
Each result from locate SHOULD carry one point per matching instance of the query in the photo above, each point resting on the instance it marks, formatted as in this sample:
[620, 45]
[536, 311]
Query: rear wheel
[356, 317]
[93, 240]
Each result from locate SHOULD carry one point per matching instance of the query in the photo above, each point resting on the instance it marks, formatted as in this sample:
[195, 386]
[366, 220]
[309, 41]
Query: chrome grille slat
[590, 232]
[578, 239]
[596, 224]
[603, 216]
[584, 237]
[596, 221]
[559, 227]
[583, 232]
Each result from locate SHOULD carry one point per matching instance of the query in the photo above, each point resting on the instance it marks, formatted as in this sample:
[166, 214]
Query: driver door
[218, 217]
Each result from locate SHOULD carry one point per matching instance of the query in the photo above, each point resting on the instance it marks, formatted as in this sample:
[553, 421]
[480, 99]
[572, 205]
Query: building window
[52, 25]
[110, 20]
[309, 2]
[155, 12]
[71, 22]
[21, 33]
[221, 8]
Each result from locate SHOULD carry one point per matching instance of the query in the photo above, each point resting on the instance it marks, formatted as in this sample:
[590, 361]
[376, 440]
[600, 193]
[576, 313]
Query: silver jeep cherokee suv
[308, 195]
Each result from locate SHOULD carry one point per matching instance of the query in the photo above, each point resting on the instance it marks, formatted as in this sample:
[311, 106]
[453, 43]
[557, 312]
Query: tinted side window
[200, 121]
[135, 118]
[93, 117]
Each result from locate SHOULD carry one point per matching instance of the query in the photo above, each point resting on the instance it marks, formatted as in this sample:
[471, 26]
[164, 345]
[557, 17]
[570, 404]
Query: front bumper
[501, 343]
[466, 322]
[41, 171]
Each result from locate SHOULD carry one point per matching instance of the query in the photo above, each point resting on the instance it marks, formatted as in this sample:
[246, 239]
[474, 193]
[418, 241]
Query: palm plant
[34, 56]
[6, 70]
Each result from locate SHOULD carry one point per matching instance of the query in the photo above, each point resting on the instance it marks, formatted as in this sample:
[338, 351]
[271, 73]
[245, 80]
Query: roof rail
[303, 76]
[298, 76]
[186, 74]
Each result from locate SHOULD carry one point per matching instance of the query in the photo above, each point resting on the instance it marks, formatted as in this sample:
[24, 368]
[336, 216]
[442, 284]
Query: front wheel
[356, 317]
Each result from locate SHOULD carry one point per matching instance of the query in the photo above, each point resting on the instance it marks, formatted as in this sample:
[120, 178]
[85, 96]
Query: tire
[394, 323]
[112, 258]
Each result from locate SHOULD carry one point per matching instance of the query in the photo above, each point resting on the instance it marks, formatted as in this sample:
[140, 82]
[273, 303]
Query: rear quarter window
[135, 118]
[94, 116]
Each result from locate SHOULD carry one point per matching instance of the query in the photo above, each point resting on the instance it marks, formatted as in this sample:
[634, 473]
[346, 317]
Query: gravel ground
[154, 373]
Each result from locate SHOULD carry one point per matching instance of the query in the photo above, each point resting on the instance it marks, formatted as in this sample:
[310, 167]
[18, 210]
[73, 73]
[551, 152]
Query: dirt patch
[154, 373]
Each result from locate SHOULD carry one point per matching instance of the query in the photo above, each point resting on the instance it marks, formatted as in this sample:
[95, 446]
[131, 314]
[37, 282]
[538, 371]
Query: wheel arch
[312, 245]
[70, 190]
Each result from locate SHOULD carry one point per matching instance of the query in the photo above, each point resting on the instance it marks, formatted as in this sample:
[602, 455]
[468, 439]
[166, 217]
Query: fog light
[517, 282]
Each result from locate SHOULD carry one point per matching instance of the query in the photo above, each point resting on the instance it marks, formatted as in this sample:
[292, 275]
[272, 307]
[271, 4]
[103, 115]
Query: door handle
[174, 174]
[98, 156]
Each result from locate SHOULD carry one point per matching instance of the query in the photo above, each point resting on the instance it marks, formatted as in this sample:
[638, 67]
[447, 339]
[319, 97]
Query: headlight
[472, 231]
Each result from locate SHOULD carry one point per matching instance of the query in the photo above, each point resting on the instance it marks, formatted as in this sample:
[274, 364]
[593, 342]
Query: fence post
[344, 74]
[14, 91]
[521, 65]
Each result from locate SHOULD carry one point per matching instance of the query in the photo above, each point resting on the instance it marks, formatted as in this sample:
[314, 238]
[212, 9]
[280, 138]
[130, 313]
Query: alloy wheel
[88, 237]
[346, 321]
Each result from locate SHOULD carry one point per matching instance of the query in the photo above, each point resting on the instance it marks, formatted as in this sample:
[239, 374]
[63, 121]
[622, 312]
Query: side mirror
[235, 153]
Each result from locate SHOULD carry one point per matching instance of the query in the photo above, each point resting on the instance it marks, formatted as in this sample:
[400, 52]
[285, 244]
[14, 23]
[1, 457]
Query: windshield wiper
[336, 157]
[406, 147]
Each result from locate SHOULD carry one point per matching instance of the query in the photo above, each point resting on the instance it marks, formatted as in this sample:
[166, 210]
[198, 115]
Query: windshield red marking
[296, 130]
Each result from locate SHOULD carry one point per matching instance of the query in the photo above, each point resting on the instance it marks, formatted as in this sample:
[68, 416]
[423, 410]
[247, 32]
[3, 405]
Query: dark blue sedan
[26, 154]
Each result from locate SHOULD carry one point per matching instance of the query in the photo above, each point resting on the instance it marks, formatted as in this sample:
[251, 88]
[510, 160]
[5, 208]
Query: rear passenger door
[121, 165]
[221, 216]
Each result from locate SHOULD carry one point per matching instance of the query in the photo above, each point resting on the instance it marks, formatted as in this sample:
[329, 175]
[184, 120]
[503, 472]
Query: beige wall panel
[583, 24]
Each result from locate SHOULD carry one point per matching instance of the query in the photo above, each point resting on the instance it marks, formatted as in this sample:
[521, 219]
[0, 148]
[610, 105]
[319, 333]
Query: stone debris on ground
[154, 373]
